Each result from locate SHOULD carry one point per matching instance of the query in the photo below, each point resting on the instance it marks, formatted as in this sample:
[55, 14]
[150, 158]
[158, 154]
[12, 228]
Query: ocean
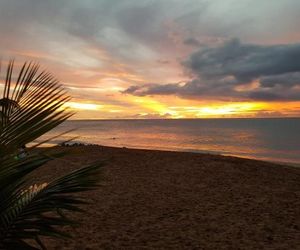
[274, 139]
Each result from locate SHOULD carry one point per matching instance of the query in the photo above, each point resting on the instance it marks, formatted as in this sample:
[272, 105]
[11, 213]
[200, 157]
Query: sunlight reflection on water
[270, 139]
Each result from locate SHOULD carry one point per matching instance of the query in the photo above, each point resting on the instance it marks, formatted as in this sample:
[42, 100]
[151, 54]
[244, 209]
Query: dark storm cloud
[121, 26]
[145, 34]
[245, 61]
[221, 71]
[289, 79]
[152, 89]
[265, 96]
[192, 42]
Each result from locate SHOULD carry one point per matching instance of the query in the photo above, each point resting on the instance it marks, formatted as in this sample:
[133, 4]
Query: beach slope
[172, 200]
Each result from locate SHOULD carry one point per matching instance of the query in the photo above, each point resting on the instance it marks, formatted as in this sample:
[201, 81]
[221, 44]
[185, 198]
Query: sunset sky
[163, 58]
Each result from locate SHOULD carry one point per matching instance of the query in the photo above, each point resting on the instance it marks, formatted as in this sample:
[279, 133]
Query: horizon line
[210, 118]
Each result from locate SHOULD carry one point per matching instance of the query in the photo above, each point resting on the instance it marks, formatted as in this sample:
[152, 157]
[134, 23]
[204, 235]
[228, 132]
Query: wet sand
[172, 200]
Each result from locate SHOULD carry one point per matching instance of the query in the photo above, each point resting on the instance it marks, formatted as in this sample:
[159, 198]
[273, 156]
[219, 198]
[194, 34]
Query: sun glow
[153, 105]
[229, 109]
[83, 106]
[130, 107]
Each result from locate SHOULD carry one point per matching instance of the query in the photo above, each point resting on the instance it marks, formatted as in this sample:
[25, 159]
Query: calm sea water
[268, 139]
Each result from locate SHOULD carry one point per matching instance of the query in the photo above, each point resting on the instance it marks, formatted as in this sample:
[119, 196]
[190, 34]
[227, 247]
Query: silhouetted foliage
[32, 104]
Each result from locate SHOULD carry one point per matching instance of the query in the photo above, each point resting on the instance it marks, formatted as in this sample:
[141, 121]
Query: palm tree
[32, 104]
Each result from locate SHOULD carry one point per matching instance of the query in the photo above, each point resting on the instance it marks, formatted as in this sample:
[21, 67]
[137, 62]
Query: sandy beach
[172, 200]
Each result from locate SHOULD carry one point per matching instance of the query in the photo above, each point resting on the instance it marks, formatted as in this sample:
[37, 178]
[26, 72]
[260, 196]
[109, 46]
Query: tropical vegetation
[33, 103]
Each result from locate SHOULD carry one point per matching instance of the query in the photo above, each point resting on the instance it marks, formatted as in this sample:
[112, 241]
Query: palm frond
[38, 210]
[32, 104]
[12, 175]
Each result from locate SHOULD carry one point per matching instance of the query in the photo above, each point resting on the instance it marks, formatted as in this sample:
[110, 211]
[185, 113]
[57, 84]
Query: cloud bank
[163, 48]
[236, 70]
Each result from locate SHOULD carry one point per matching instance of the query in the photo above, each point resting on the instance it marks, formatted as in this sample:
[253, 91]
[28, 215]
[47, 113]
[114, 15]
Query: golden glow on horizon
[148, 107]
[119, 106]
[237, 109]
[83, 106]
[156, 106]
[150, 104]
[229, 109]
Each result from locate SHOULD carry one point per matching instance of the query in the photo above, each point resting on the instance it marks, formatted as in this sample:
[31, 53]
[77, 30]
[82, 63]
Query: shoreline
[179, 200]
[280, 162]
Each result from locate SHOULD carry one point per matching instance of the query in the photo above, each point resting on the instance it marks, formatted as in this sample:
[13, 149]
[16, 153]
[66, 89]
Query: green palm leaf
[32, 104]
[37, 210]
